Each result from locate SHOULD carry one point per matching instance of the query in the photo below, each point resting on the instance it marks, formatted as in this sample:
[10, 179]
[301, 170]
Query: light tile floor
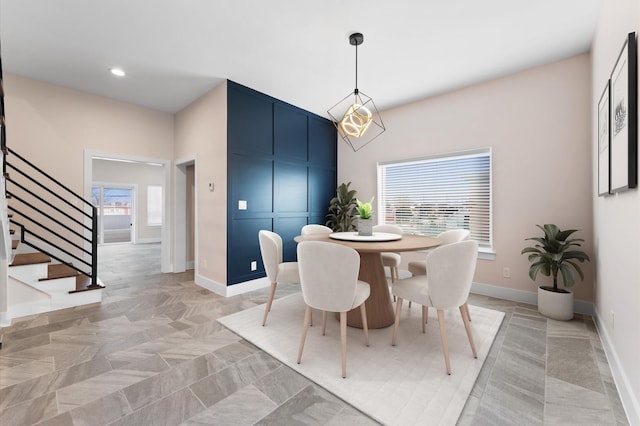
[153, 353]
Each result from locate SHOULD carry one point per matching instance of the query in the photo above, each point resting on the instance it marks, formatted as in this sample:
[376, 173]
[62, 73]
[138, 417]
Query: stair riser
[29, 273]
[57, 285]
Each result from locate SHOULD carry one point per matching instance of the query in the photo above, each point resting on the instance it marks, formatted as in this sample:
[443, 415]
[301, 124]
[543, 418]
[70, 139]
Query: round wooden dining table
[380, 312]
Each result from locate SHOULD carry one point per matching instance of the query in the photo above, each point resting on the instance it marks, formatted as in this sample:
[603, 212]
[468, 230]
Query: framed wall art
[604, 118]
[623, 128]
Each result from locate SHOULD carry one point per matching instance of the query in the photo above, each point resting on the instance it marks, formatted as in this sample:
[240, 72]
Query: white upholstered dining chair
[315, 229]
[447, 285]
[277, 270]
[329, 281]
[390, 260]
[419, 267]
[447, 237]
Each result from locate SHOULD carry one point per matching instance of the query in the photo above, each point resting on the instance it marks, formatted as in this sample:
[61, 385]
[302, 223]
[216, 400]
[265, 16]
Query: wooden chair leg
[396, 324]
[324, 322]
[424, 318]
[466, 308]
[394, 274]
[305, 328]
[464, 311]
[365, 326]
[272, 293]
[409, 304]
[443, 336]
[343, 340]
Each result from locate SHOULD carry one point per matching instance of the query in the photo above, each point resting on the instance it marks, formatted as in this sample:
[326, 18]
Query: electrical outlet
[254, 265]
[506, 272]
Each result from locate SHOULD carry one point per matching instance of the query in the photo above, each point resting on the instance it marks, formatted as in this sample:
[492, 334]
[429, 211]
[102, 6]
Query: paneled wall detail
[282, 175]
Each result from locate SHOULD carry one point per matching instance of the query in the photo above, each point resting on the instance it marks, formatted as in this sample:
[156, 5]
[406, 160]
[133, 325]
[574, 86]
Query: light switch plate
[254, 265]
[242, 204]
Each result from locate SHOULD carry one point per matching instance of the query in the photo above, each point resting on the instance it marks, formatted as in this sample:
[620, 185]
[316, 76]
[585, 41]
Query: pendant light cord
[356, 90]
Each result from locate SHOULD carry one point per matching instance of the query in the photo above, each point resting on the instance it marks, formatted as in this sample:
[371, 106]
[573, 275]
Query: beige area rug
[405, 384]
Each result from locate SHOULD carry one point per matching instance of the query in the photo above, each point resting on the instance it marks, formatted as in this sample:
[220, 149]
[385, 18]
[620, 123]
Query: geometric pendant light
[356, 116]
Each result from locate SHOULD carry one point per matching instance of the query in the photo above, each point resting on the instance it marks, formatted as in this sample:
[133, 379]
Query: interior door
[115, 213]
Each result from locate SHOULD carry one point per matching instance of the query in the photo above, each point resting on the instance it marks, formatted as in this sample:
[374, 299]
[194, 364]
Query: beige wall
[201, 128]
[53, 126]
[538, 126]
[617, 222]
[140, 174]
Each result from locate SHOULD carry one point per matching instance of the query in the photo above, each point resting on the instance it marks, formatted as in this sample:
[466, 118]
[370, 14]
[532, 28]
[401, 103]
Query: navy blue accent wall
[282, 163]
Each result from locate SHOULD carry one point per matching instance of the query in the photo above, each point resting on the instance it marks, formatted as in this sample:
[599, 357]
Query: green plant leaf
[567, 275]
[541, 267]
[563, 235]
[364, 209]
[530, 250]
[577, 268]
[534, 256]
[577, 255]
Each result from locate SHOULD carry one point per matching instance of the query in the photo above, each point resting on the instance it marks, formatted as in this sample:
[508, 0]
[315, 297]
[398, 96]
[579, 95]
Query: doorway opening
[115, 207]
[150, 215]
[186, 216]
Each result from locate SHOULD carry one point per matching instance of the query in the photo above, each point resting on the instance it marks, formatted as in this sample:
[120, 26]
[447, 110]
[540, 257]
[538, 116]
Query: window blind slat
[431, 195]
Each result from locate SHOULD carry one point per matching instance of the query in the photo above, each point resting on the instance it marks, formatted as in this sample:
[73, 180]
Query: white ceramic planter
[558, 306]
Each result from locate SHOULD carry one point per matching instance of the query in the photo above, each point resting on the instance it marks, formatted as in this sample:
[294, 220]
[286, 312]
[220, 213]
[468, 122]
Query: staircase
[36, 284]
[48, 239]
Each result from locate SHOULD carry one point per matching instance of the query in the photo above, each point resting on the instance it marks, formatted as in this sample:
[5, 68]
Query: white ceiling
[294, 50]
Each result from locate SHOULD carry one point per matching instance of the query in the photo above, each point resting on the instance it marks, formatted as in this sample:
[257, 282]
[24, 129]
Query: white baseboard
[231, 290]
[5, 319]
[625, 390]
[148, 240]
[210, 285]
[247, 286]
[521, 296]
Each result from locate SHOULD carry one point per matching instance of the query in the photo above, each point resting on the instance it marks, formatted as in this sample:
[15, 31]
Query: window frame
[161, 204]
[487, 247]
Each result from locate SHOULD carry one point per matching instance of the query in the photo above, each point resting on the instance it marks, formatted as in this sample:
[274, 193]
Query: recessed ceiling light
[117, 72]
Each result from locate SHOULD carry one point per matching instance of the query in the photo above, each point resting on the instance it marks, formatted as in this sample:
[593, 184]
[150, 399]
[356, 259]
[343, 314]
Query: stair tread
[14, 244]
[21, 259]
[59, 270]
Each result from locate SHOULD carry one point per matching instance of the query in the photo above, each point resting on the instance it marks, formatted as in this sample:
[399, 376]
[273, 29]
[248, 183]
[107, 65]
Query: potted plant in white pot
[556, 253]
[365, 225]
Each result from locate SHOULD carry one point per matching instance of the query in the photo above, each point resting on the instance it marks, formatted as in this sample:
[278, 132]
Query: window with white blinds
[430, 195]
